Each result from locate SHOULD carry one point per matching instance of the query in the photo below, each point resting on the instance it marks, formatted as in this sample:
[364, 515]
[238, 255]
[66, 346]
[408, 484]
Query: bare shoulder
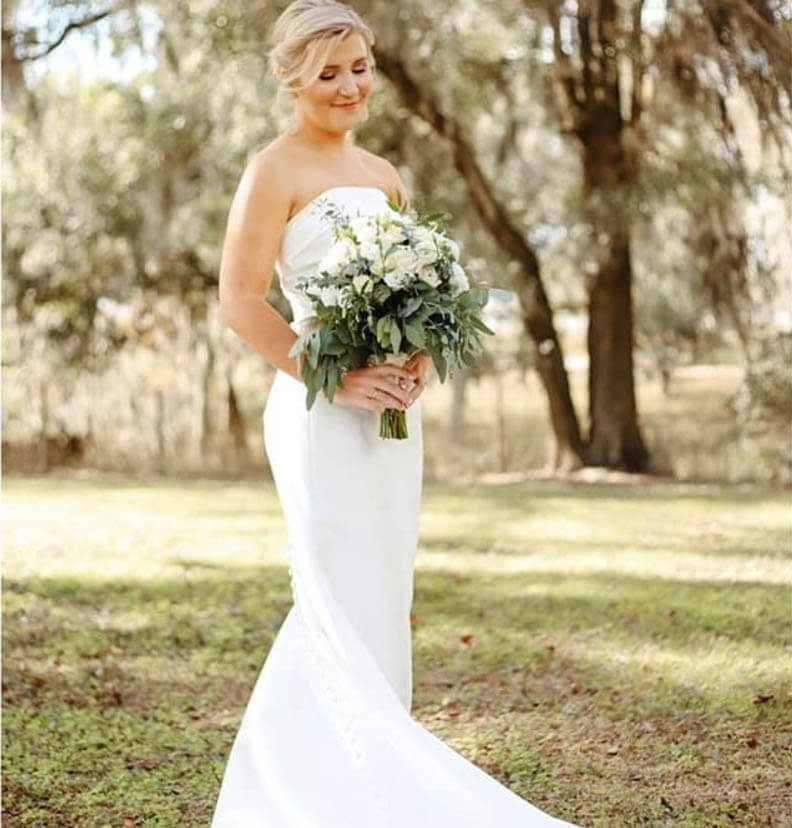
[268, 168]
[389, 174]
[256, 221]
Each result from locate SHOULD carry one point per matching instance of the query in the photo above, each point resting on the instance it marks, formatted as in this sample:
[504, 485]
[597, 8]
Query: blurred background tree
[622, 168]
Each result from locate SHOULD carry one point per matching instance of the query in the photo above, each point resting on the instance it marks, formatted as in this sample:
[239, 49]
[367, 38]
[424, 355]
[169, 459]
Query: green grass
[617, 654]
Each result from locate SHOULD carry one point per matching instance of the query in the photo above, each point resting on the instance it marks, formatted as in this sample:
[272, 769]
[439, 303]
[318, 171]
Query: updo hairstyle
[304, 35]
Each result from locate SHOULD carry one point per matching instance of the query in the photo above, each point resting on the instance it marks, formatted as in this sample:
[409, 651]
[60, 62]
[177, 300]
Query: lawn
[619, 654]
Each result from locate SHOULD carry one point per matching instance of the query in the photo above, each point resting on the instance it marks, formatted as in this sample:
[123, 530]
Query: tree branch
[537, 314]
[74, 24]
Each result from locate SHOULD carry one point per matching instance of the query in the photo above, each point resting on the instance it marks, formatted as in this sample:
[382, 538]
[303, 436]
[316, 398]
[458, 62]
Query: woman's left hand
[418, 365]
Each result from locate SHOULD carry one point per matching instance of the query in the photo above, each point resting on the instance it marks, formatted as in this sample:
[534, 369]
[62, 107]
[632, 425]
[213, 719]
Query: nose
[348, 86]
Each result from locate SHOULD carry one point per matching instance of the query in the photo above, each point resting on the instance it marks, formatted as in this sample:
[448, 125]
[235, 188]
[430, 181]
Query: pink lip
[347, 106]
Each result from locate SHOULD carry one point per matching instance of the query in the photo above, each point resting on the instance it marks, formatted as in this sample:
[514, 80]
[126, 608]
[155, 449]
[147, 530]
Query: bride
[327, 739]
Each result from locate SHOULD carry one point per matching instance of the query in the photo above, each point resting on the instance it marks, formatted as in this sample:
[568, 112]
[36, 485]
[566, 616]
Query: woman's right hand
[375, 388]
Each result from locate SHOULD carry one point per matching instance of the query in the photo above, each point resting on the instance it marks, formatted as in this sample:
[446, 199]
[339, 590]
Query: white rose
[426, 252]
[423, 234]
[403, 260]
[396, 280]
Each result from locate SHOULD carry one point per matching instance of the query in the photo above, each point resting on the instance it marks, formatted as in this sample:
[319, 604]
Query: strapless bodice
[308, 236]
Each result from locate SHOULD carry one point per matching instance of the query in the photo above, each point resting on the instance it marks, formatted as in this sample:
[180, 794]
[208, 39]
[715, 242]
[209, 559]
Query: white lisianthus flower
[339, 254]
[361, 282]
[362, 225]
[330, 295]
[459, 280]
[429, 275]
[393, 232]
[371, 252]
[377, 268]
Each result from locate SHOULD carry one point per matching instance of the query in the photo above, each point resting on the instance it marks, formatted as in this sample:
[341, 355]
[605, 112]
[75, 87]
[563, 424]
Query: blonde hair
[305, 34]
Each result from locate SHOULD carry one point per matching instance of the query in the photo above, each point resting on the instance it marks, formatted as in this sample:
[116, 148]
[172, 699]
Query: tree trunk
[538, 321]
[614, 438]
[537, 314]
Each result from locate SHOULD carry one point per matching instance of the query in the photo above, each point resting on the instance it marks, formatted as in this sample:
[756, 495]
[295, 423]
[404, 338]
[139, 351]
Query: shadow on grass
[774, 544]
[145, 680]
[666, 489]
[238, 606]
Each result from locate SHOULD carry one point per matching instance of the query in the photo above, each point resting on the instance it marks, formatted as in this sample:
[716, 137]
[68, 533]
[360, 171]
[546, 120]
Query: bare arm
[256, 223]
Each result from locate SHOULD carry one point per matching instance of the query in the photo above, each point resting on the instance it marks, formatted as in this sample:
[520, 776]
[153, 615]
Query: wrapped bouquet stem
[393, 421]
[391, 285]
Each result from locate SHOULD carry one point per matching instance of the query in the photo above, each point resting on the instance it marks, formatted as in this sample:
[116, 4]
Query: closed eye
[330, 77]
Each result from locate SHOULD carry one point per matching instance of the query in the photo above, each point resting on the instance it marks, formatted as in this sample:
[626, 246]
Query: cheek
[319, 94]
[325, 94]
[365, 84]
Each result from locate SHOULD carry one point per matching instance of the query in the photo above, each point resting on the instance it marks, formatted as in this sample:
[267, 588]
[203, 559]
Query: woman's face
[336, 100]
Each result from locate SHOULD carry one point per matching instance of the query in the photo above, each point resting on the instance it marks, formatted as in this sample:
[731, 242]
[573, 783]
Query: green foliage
[368, 320]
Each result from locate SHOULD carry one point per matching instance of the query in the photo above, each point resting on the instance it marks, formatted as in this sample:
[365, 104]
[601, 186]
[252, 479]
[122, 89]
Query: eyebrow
[336, 66]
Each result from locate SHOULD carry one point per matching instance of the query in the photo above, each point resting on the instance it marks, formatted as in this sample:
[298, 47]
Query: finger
[388, 397]
[378, 405]
[371, 403]
[417, 390]
[395, 395]
[404, 384]
[396, 370]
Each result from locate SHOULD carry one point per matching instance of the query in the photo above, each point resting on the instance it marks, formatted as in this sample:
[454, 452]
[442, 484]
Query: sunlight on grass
[665, 564]
[713, 668]
[592, 646]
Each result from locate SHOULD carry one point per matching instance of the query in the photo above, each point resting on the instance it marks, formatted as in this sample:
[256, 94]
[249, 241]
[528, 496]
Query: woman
[327, 740]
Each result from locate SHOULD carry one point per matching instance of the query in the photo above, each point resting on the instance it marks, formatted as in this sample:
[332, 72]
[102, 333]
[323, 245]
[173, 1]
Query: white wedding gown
[327, 740]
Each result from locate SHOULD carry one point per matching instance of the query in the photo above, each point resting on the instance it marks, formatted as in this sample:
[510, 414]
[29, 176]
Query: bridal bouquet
[390, 285]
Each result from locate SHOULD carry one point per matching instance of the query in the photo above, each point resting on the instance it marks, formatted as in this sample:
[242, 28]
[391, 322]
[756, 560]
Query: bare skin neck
[313, 137]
